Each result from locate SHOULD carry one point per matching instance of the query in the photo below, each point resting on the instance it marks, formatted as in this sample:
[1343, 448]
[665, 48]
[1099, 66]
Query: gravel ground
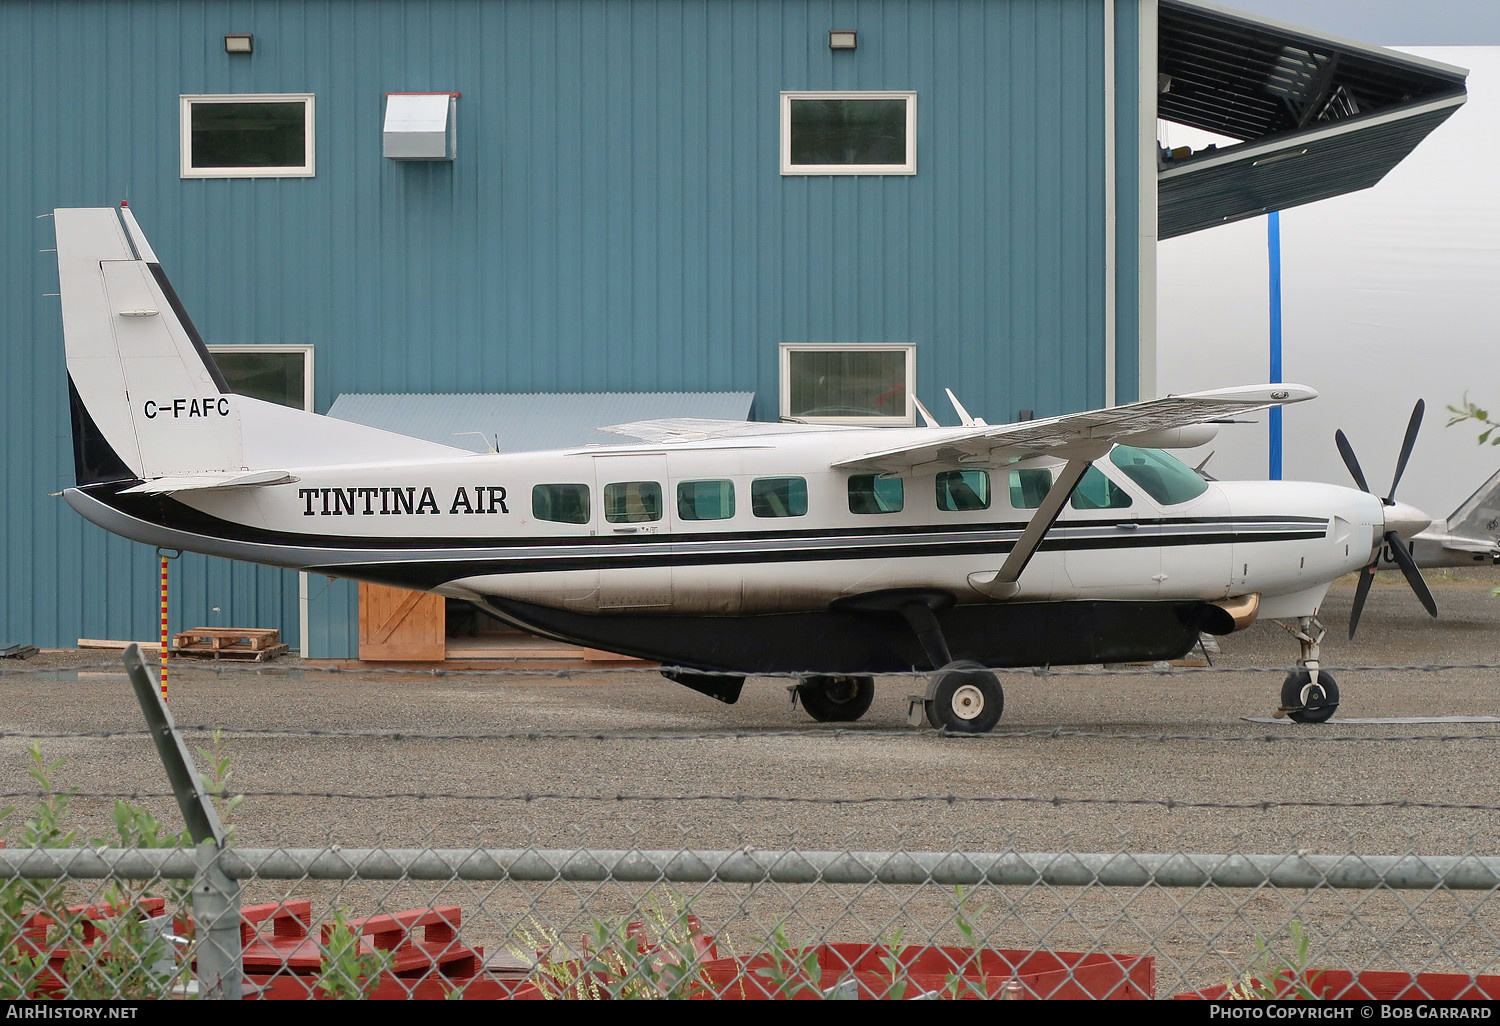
[1080, 762]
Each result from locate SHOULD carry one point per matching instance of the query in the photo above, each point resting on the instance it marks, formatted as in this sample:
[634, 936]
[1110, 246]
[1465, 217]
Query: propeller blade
[1347, 451]
[1408, 566]
[1412, 427]
[1361, 592]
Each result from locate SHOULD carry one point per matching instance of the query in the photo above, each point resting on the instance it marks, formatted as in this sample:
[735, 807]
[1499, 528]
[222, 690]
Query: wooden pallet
[249, 643]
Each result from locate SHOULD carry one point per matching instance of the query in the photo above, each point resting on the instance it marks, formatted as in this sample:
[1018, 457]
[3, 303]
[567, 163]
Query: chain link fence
[131, 923]
[148, 913]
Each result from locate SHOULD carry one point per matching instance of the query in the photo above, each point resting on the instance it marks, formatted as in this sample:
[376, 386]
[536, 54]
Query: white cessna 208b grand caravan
[727, 548]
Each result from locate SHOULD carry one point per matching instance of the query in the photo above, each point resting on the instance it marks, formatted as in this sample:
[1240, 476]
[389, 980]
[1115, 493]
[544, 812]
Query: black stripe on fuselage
[169, 512]
[428, 562]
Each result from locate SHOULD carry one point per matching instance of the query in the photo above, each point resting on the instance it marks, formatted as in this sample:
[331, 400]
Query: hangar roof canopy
[1310, 115]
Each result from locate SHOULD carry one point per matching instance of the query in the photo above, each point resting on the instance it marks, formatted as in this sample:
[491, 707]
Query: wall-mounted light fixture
[842, 39]
[239, 42]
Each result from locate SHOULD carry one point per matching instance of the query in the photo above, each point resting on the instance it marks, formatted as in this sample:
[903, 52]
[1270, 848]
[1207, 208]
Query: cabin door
[631, 523]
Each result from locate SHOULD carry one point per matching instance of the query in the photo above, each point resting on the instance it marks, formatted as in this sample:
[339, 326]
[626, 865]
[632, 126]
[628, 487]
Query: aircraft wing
[697, 429]
[1074, 435]
[206, 482]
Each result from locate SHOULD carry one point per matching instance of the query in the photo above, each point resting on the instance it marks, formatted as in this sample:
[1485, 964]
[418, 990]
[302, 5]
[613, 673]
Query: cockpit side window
[1163, 477]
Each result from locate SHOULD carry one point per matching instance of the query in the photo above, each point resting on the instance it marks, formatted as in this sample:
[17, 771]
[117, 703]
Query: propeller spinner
[1400, 520]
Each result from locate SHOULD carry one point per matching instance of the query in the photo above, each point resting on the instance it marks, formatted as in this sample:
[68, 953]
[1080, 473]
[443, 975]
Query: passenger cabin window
[778, 497]
[561, 503]
[1029, 487]
[875, 493]
[1096, 491]
[1165, 478]
[961, 491]
[632, 502]
[705, 500]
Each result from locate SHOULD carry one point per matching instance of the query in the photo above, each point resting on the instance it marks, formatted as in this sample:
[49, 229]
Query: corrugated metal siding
[615, 219]
[529, 423]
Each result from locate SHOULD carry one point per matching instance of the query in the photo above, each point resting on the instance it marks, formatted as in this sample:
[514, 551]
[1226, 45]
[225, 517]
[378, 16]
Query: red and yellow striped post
[164, 635]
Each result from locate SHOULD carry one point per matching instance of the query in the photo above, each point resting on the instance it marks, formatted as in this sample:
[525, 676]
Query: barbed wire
[622, 798]
[1301, 734]
[1158, 669]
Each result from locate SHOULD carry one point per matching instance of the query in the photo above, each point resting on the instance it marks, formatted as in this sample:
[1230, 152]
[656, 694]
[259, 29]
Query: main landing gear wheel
[964, 698]
[836, 699]
[1307, 700]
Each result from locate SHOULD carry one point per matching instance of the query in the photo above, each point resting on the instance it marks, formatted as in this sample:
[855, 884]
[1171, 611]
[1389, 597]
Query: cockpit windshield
[1163, 477]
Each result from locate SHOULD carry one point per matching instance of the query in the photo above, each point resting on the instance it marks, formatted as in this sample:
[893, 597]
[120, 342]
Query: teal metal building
[607, 196]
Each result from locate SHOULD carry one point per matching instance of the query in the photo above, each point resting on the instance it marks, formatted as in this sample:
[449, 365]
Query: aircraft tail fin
[148, 401]
[1478, 517]
[137, 367]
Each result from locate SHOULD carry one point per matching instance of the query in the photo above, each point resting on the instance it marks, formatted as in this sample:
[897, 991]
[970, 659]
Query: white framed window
[253, 135]
[849, 133]
[280, 374]
[859, 383]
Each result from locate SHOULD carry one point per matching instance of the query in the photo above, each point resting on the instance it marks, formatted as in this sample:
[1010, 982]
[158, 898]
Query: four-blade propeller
[1399, 552]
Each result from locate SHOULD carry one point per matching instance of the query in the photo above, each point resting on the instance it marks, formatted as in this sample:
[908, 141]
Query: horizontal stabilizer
[207, 482]
[1479, 545]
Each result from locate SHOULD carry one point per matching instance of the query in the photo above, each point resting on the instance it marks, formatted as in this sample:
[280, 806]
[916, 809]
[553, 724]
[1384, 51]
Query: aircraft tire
[831, 699]
[1320, 703]
[965, 698]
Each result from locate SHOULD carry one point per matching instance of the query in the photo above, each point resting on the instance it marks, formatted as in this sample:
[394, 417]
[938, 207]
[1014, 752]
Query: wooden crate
[250, 643]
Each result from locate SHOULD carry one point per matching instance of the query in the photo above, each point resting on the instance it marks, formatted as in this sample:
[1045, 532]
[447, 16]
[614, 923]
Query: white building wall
[1388, 295]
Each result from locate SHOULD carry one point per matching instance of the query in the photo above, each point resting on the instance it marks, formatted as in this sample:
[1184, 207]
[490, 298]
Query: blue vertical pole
[1273, 244]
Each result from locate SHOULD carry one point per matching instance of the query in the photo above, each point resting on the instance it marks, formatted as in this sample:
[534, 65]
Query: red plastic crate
[93, 919]
[289, 948]
[287, 987]
[438, 947]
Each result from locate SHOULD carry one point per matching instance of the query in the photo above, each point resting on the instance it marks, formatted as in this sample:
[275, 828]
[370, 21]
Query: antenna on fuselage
[493, 448]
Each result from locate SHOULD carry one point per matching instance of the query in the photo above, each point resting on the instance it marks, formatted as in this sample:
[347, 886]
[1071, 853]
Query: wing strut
[1003, 583]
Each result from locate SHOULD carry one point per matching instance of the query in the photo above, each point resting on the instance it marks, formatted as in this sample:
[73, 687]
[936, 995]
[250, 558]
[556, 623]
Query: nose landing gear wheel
[1308, 701]
[836, 699]
[965, 698]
